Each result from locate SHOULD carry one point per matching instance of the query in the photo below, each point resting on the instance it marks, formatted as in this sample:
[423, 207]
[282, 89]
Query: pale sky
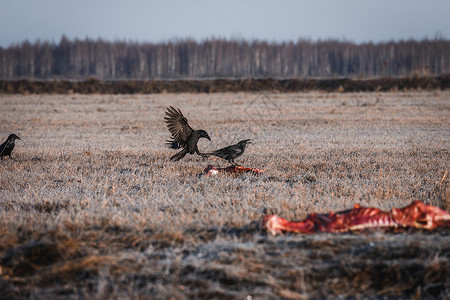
[158, 21]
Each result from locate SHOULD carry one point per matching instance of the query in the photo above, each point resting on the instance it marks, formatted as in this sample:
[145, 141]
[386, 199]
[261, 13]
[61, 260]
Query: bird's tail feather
[172, 144]
[179, 155]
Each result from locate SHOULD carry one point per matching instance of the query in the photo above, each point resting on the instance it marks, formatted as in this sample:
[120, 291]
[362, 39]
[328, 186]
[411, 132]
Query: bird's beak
[209, 139]
[19, 138]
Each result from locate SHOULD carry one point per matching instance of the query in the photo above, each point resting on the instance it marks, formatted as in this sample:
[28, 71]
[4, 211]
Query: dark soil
[94, 85]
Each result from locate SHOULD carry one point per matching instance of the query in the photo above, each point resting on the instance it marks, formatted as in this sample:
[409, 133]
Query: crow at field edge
[182, 134]
[231, 152]
[7, 147]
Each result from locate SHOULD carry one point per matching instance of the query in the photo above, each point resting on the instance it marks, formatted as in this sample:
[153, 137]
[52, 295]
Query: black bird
[7, 147]
[231, 152]
[183, 135]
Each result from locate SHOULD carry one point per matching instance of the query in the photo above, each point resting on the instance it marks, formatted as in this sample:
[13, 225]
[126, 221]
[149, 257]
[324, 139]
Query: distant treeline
[221, 58]
[93, 85]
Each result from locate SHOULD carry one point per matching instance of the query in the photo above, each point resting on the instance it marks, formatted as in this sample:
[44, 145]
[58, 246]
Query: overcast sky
[156, 21]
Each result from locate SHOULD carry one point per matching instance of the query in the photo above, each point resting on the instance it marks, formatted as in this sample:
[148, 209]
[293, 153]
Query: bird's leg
[198, 152]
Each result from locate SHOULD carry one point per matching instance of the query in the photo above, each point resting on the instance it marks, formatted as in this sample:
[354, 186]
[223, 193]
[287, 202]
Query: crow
[182, 134]
[231, 152]
[7, 147]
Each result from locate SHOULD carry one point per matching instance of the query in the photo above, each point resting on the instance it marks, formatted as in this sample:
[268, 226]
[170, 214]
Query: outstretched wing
[178, 125]
[172, 144]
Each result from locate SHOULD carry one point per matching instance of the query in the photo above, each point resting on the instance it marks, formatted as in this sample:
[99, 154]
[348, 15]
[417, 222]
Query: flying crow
[183, 135]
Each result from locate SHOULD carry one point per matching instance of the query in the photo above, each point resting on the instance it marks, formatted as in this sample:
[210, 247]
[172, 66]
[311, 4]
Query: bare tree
[119, 60]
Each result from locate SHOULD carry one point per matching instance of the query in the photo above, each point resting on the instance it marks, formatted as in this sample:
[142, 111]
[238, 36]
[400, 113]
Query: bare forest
[221, 58]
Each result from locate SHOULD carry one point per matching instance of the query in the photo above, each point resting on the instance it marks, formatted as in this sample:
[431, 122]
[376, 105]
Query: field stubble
[91, 207]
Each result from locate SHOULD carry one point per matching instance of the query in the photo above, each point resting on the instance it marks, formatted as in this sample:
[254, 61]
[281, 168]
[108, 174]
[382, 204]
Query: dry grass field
[92, 208]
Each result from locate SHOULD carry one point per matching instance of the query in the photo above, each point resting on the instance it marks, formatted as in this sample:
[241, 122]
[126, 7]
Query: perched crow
[231, 152]
[7, 147]
[184, 136]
